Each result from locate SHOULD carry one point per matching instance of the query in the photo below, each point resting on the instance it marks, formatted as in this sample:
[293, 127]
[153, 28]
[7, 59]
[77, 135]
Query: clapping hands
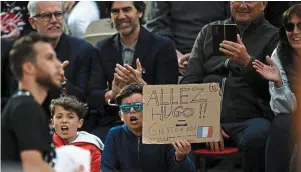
[125, 75]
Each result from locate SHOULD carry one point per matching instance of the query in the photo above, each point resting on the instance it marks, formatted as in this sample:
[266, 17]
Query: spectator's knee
[257, 137]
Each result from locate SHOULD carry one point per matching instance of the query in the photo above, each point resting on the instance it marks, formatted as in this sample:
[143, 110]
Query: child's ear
[120, 116]
[80, 123]
[52, 123]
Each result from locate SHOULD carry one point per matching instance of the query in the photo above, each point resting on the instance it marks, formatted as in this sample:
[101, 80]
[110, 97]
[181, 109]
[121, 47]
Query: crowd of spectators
[57, 89]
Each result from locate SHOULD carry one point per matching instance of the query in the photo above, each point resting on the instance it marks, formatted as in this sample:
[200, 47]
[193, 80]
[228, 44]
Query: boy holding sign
[124, 150]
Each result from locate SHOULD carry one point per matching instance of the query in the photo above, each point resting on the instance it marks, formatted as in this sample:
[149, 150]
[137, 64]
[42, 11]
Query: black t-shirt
[24, 126]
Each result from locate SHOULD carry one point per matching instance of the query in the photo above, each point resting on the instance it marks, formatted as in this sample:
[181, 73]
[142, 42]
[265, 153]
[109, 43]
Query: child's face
[132, 118]
[66, 123]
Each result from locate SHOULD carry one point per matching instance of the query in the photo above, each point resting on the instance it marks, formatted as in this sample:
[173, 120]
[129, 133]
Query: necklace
[22, 93]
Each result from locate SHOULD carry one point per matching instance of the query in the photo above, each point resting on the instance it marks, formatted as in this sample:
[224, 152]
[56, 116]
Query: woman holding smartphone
[281, 73]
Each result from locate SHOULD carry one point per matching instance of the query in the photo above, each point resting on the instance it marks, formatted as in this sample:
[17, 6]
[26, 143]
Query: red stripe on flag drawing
[210, 131]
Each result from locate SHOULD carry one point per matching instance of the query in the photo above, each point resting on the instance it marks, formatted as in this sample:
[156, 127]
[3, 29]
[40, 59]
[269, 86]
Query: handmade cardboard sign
[181, 112]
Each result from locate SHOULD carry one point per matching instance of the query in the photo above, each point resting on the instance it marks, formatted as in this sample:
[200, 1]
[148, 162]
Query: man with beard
[47, 18]
[132, 55]
[25, 133]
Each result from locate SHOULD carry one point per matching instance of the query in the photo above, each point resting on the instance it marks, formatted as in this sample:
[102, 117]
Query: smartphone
[222, 32]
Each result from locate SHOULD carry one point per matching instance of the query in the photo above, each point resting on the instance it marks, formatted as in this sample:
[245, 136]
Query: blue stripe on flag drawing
[200, 132]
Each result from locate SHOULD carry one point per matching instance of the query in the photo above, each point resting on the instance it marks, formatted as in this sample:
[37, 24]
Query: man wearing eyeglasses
[245, 109]
[79, 57]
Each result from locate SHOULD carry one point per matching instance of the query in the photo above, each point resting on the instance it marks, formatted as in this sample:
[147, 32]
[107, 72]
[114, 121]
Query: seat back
[226, 151]
[99, 30]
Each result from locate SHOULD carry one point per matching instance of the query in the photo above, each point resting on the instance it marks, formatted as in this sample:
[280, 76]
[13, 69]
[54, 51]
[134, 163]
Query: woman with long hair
[280, 71]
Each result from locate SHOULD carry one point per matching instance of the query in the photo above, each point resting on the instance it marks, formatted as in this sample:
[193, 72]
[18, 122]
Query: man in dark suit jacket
[79, 56]
[132, 55]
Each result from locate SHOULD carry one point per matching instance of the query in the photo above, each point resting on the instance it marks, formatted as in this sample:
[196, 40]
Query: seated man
[245, 102]
[124, 150]
[133, 46]
[67, 116]
[181, 21]
[47, 18]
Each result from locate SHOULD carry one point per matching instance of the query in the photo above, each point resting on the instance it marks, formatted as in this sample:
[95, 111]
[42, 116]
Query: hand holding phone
[221, 32]
[236, 52]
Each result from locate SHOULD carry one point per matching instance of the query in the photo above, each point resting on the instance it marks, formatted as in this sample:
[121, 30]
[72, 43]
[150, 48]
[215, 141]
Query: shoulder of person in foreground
[27, 115]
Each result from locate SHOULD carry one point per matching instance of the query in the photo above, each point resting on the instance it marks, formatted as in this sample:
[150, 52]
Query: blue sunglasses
[126, 108]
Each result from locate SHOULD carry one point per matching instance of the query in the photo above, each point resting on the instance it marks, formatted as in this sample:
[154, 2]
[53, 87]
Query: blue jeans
[250, 137]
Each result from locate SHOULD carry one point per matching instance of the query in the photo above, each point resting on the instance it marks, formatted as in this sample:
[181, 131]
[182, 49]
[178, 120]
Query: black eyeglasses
[291, 26]
[47, 16]
[126, 108]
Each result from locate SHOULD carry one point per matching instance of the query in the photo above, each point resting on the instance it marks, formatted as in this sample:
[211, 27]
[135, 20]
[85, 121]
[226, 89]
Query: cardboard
[181, 112]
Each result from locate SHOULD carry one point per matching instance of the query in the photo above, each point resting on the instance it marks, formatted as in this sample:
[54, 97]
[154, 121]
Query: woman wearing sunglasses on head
[124, 150]
[281, 73]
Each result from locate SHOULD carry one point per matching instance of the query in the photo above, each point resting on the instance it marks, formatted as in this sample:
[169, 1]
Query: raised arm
[282, 98]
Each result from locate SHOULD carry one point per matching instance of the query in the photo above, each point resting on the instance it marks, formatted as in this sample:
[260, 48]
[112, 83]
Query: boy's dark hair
[69, 103]
[128, 91]
[139, 5]
[23, 51]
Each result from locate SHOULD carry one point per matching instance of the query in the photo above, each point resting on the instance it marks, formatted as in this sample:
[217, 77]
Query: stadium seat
[99, 30]
[200, 155]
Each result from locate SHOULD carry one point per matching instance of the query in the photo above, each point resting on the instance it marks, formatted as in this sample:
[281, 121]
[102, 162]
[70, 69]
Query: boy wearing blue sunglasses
[124, 150]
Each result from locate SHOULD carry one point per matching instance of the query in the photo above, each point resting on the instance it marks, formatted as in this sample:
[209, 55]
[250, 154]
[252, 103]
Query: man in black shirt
[26, 136]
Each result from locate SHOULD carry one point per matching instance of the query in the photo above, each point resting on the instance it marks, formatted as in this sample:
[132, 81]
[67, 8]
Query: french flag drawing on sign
[204, 132]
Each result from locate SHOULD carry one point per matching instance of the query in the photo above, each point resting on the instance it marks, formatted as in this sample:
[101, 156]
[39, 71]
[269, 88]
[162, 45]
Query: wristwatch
[112, 102]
